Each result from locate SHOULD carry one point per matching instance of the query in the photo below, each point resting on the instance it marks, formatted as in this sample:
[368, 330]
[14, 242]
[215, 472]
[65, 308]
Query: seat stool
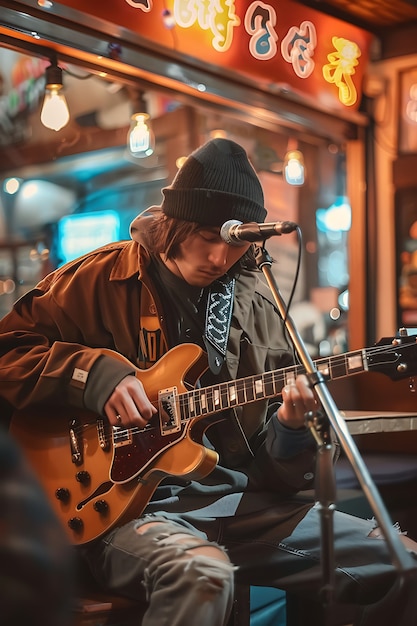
[97, 608]
[100, 609]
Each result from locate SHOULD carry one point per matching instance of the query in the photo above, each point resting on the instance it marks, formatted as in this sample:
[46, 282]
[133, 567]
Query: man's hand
[129, 405]
[298, 398]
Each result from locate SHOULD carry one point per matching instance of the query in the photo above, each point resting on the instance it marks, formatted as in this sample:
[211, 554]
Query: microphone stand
[325, 479]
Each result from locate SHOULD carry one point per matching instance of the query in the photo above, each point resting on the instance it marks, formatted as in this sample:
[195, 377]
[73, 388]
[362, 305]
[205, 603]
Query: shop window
[53, 178]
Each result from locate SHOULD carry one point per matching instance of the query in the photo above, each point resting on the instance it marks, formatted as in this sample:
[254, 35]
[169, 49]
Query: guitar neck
[225, 395]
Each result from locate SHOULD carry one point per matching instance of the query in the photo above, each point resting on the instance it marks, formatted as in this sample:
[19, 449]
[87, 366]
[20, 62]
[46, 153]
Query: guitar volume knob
[101, 506]
[75, 523]
[62, 494]
[82, 477]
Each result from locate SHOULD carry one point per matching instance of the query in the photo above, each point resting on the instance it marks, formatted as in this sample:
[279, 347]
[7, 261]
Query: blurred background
[327, 117]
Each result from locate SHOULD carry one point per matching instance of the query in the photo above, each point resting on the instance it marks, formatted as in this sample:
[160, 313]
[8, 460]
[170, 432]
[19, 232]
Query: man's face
[204, 256]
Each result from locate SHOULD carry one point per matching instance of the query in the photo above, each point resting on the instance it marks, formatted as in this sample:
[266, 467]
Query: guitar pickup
[76, 455]
[169, 411]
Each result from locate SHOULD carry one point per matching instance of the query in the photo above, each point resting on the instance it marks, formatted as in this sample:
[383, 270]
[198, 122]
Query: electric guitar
[98, 476]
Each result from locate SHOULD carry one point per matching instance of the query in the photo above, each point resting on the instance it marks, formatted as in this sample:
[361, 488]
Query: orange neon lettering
[218, 16]
[260, 21]
[341, 68]
[298, 47]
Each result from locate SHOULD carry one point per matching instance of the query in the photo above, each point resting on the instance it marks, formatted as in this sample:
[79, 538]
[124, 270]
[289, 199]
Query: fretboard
[207, 400]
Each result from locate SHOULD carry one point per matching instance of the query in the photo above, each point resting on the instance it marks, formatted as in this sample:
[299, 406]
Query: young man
[178, 282]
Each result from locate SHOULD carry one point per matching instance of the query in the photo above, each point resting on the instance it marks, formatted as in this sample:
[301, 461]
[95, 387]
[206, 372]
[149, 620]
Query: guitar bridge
[169, 411]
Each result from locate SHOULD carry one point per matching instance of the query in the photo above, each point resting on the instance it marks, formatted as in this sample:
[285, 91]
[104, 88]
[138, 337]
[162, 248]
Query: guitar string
[244, 384]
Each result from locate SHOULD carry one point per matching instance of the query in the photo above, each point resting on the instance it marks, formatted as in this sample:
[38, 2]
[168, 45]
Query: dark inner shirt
[184, 305]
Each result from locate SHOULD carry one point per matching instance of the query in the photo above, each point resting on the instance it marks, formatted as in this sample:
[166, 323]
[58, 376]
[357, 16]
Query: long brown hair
[165, 234]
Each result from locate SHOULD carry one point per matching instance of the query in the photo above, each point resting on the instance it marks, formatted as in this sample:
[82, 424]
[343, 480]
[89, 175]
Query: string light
[55, 114]
[294, 170]
[140, 138]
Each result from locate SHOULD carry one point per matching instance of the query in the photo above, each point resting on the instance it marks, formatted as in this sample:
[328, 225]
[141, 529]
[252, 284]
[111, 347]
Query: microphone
[236, 233]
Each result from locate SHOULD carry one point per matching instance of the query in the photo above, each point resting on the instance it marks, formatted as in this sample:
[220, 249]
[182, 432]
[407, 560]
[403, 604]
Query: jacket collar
[132, 258]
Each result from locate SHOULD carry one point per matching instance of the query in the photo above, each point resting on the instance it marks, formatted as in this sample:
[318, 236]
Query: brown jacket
[98, 301]
[51, 342]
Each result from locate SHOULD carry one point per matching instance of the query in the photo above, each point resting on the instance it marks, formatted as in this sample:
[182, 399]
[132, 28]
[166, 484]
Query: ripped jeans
[186, 589]
[165, 563]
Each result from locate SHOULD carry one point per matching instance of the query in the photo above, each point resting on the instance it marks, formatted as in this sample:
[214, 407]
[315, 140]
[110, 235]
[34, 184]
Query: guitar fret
[209, 400]
[224, 397]
[259, 388]
[191, 405]
[203, 401]
[324, 369]
[214, 399]
[278, 382]
[356, 362]
[348, 364]
[249, 390]
[269, 386]
[289, 377]
[232, 394]
[197, 403]
[241, 393]
[338, 369]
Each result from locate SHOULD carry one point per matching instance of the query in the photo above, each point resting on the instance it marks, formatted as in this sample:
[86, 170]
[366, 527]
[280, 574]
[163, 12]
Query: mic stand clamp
[325, 488]
[325, 484]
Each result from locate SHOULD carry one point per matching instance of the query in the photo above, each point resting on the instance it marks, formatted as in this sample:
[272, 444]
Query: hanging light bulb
[140, 138]
[54, 114]
[294, 167]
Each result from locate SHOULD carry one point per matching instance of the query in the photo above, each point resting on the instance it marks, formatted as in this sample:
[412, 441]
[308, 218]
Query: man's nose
[219, 254]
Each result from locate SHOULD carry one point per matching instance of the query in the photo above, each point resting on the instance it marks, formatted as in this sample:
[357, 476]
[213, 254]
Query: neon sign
[274, 43]
[297, 46]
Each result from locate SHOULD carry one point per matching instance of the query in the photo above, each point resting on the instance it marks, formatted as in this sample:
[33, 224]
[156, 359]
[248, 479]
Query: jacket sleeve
[44, 353]
[284, 459]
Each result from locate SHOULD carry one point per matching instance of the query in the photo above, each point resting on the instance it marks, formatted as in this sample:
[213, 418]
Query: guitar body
[74, 453]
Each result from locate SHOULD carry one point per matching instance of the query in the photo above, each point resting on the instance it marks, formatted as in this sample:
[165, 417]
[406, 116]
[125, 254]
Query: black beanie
[217, 183]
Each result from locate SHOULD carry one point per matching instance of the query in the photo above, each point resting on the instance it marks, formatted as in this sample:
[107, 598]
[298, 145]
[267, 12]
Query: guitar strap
[217, 325]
